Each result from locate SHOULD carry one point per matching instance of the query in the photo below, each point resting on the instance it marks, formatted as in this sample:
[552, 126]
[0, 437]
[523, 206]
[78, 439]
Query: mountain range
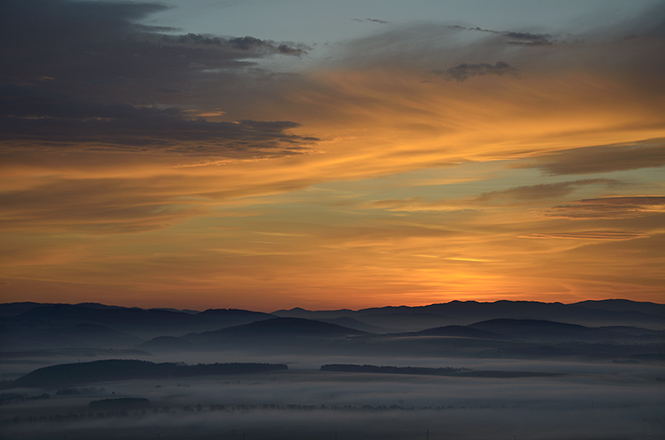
[628, 328]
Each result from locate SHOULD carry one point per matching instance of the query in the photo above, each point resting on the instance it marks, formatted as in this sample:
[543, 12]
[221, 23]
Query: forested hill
[117, 369]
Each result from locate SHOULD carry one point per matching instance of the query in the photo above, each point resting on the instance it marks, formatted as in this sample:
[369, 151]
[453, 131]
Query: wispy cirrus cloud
[508, 197]
[609, 208]
[465, 71]
[603, 158]
[516, 37]
[543, 191]
[588, 235]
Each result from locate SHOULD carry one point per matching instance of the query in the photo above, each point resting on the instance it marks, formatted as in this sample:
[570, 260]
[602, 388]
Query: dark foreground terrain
[483, 371]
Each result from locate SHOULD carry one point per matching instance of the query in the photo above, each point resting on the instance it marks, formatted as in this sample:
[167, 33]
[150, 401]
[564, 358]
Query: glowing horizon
[415, 163]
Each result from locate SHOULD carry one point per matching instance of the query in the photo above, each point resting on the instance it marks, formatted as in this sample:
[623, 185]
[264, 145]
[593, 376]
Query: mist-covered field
[585, 400]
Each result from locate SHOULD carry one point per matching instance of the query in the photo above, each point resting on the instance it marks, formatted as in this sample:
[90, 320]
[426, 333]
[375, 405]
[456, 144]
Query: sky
[271, 154]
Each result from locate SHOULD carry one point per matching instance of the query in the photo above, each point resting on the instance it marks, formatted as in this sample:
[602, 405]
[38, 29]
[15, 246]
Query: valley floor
[585, 400]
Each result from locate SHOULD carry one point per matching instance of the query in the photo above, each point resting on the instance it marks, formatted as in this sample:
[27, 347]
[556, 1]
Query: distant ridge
[33, 326]
[538, 329]
[233, 313]
[621, 305]
[355, 324]
[532, 329]
[266, 333]
[281, 327]
[168, 343]
[456, 331]
[13, 309]
[417, 318]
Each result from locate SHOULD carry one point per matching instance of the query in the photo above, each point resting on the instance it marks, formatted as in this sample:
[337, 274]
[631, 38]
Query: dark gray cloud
[625, 51]
[376, 20]
[512, 37]
[528, 39]
[373, 20]
[465, 71]
[55, 120]
[97, 36]
[78, 73]
[603, 158]
[258, 45]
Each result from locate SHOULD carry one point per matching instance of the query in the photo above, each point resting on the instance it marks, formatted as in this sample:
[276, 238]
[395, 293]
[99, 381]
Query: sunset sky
[265, 154]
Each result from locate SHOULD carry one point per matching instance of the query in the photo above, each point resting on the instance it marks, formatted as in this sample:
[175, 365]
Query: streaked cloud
[529, 39]
[373, 20]
[465, 71]
[609, 207]
[589, 235]
[545, 190]
[512, 196]
[604, 158]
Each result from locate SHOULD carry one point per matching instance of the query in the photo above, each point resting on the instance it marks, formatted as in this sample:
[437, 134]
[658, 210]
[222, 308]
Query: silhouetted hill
[128, 318]
[456, 331]
[32, 326]
[75, 336]
[531, 329]
[543, 330]
[170, 309]
[39, 323]
[230, 317]
[13, 309]
[588, 313]
[467, 312]
[279, 327]
[299, 312]
[93, 305]
[405, 319]
[356, 325]
[624, 305]
[271, 335]
[116, 369]
[168, 343]
[635, 331]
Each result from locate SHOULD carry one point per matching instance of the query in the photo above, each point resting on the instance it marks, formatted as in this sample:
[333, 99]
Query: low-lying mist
[355, 424]
[587, 401]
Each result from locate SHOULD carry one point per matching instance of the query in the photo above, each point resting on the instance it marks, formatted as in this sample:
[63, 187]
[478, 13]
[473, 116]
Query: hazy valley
[461, 370]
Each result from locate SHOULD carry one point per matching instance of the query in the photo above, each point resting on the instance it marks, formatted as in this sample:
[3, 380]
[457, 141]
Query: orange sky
[481, 165]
